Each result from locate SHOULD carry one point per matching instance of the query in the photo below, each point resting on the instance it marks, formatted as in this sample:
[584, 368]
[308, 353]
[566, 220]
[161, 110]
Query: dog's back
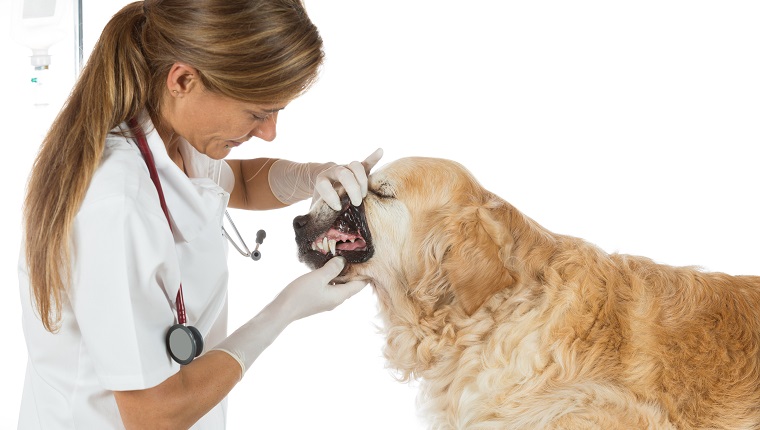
[682, 340]
[691, 340]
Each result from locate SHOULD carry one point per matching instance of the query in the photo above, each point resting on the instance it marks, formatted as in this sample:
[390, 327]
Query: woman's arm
[260, 186]
[252, 190]
[186, 396]
[183, 398]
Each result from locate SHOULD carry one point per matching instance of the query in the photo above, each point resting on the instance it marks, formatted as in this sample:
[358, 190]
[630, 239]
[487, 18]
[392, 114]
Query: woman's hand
[314, 292]
[353, 178]
[309, 294]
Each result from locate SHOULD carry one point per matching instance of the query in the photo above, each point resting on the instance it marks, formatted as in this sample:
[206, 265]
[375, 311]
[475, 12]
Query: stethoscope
[185, 342]
[244, 251]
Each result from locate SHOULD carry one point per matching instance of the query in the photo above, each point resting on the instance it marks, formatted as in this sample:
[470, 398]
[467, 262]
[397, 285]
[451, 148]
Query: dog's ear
[474, 265]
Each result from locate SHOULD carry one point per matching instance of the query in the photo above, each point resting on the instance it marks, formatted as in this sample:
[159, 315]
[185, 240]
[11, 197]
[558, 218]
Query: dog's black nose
[300, 222]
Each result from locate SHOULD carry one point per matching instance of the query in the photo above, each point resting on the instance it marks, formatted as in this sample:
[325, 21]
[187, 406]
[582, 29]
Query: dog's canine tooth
[319, 245]
[332, 244]
[325, 245]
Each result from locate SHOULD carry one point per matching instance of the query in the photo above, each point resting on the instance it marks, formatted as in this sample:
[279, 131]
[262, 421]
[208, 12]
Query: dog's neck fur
[419, 329]
[441, 342]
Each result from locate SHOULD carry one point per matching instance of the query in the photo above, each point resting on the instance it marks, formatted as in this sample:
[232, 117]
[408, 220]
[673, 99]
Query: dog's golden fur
[510, 326]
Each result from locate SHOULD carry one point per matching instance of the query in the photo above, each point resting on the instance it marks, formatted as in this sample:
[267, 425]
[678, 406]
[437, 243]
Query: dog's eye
[379, 194]
[384, 191]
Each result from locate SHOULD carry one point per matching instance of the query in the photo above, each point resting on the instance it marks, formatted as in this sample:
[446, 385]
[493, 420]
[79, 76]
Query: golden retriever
[509, 326]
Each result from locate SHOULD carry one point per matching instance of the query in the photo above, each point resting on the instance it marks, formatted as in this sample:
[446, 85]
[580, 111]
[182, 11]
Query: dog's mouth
[347, 236]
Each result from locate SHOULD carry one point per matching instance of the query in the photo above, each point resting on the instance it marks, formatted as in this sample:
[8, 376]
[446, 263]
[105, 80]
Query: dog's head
[427, 231]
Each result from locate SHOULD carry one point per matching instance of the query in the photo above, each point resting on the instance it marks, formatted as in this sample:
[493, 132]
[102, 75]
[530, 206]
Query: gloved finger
[361, 176]
[372, 160]
[331, 269]
[324, 187]
[348, 179]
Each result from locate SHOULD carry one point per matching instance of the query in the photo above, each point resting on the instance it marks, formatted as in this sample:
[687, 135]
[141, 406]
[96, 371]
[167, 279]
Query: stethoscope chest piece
[184, 343]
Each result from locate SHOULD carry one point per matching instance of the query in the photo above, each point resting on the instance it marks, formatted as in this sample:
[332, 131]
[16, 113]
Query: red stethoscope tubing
[142, 145]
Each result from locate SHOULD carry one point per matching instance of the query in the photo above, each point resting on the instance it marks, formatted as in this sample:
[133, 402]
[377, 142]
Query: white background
[631, 124]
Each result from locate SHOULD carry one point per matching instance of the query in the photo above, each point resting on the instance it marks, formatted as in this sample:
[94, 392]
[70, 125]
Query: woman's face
[214, 124]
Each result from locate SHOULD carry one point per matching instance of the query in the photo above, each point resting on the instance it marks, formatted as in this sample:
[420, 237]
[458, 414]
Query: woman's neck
[171, 142]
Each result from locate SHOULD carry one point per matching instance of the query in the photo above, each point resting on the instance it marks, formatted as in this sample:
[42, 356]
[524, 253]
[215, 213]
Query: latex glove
[292, 182]
[309, 294]
[313, 292]
[353, 178]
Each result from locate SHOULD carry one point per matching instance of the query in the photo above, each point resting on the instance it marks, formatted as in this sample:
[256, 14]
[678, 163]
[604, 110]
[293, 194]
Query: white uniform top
[127, 269]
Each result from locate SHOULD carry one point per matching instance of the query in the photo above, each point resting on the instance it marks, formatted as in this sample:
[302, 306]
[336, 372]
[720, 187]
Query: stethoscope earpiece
[260, 235]
[184, 343]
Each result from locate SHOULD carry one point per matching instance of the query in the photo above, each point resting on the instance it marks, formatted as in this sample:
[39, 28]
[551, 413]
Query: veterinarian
[123, 269]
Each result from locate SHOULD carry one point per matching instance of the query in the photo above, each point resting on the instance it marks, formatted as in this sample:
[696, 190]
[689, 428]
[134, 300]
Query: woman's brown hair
[259, 51]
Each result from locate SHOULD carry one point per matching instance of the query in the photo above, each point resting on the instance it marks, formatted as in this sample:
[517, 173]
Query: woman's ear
[474, 265]
[181, 79]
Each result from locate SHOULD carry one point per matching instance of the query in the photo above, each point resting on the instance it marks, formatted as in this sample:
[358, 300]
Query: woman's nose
[267, 130]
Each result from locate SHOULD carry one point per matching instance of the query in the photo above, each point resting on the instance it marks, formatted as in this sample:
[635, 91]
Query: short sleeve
[125, 272]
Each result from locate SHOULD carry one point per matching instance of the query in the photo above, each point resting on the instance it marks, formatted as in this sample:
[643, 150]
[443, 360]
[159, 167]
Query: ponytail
[111, 89]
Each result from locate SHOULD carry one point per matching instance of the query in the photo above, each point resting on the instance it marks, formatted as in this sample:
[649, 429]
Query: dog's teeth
[313, 246]
[332, 243]
[325, 246]
[319, 245]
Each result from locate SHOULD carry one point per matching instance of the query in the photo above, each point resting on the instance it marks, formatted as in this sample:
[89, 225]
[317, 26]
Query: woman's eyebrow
[260, 111]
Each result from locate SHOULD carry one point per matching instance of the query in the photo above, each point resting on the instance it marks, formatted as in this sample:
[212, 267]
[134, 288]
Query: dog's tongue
[351, 246]
[346, 241]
